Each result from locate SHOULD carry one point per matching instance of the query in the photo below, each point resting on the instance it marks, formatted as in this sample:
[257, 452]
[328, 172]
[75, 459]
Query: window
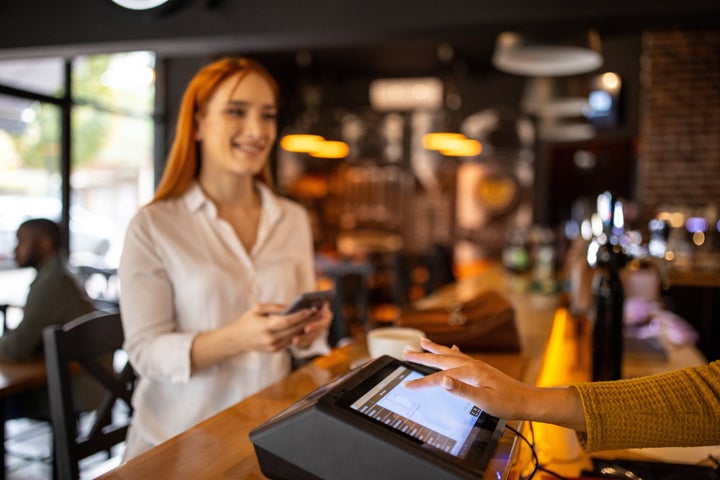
[112, 162]
[109, 174]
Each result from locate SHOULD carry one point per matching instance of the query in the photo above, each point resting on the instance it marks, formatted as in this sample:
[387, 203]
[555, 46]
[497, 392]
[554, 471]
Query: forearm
[680, 408]
[556, 405]
[212, 347]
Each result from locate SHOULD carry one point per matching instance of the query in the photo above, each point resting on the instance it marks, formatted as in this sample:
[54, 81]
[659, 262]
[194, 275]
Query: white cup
[392, 341]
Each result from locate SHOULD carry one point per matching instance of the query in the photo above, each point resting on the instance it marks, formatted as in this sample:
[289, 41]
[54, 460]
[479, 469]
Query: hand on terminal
[495, 392]
[679, 408]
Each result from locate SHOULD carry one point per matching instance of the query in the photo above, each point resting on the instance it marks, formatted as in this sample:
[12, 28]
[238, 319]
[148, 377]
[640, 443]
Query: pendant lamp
[547, 55]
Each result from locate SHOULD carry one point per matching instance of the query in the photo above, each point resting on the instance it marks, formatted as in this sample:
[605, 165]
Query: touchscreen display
[431, 415]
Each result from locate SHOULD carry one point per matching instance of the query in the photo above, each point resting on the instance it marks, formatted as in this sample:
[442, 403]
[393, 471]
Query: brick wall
[679, 151]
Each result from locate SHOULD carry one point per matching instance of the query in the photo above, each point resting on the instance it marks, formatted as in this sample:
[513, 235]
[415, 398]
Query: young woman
[209, 264]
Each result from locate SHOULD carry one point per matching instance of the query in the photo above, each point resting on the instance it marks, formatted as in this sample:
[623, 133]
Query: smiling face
[238, 126]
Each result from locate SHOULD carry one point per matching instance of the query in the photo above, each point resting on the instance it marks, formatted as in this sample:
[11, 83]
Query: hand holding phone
[310, 300]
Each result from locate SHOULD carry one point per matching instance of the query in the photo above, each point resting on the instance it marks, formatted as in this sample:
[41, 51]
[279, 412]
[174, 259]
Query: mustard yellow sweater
[680, 409]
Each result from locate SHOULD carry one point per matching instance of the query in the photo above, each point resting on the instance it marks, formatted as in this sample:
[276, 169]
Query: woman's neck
[231, 192]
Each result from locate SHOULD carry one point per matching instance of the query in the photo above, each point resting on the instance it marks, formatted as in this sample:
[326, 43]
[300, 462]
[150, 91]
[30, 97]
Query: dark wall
[197, 26]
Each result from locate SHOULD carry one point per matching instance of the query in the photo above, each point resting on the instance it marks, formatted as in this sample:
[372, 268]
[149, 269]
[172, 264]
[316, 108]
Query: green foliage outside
[39, 144]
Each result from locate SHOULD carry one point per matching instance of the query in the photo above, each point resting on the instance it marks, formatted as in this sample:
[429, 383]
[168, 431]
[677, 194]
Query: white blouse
[183, 270]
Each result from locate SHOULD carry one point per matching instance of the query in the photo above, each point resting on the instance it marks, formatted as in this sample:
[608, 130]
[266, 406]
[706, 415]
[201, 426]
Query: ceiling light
[523, 54]
[331, 149]
[439, 140]
[301, 143]
[423, 93]
[555, 97]
[452, 144]
[463, 147]
[560, 105]
[140, 4]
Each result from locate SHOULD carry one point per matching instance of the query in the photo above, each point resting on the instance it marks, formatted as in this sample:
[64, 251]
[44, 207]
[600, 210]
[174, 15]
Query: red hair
[183, 161]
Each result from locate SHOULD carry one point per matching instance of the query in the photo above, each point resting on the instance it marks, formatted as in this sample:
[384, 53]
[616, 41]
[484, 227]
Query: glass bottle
[608, 299]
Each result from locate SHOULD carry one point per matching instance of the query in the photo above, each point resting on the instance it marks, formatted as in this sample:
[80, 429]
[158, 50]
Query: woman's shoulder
[290, 205]
[285, 204]
[159, 216]
[162, 208]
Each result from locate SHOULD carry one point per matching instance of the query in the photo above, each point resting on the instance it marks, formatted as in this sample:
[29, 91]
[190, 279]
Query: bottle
[515, 255]
[608, 301]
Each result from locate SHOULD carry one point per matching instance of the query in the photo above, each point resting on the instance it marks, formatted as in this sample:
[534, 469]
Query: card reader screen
[430, 415]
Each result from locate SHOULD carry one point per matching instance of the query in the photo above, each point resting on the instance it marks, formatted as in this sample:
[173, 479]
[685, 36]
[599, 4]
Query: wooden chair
[90, 341]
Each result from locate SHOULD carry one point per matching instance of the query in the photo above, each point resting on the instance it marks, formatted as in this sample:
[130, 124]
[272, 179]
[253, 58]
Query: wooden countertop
[220, 447]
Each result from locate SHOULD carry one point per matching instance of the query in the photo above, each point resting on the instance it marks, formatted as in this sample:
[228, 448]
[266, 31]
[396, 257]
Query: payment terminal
[366, 424]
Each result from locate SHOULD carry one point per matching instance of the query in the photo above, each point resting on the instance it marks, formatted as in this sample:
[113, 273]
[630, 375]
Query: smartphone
[310, 300]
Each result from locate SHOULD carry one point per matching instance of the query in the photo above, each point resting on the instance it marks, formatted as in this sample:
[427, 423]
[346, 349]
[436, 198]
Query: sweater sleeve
[680, 409]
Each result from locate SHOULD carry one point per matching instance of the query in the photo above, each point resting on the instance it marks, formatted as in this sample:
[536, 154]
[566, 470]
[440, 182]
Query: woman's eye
[270, 116]
[236, 112]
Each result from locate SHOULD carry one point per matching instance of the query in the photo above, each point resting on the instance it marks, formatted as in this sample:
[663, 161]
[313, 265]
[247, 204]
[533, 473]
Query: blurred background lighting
[440, 140]
[586, 230]
[395, 94]
[599, 101]
[618, 216]
[610, 81]
[675, 219]
[696, 224]
[596, 224]
[301, 143]
[331, 149]
[461, 147]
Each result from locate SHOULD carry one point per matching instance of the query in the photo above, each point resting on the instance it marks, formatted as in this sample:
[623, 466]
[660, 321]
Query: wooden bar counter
[220, 447]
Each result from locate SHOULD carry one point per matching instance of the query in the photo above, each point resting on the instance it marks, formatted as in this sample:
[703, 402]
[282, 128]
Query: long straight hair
[183, 161]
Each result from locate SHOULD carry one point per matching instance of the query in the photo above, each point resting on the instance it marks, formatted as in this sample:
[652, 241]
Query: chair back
[90, 342]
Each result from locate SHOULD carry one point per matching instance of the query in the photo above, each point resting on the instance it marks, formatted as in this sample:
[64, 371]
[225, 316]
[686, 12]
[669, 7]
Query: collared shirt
[183, 271]
[54, 298]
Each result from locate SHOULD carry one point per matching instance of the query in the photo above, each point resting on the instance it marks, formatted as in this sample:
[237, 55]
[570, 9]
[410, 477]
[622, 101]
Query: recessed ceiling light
[140, 4]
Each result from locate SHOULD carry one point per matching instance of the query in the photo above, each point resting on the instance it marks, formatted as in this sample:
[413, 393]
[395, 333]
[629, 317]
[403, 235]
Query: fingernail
[448, 383]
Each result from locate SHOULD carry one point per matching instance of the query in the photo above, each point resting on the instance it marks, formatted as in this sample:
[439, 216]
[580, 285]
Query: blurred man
[54, 297]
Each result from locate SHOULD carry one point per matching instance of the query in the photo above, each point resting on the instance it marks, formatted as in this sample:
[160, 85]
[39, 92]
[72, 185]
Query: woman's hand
[317, 324]
[495, 392]
[263, 328]
[490, 389]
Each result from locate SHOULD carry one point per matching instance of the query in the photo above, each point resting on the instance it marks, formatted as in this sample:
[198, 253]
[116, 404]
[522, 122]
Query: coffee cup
[393, 341]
